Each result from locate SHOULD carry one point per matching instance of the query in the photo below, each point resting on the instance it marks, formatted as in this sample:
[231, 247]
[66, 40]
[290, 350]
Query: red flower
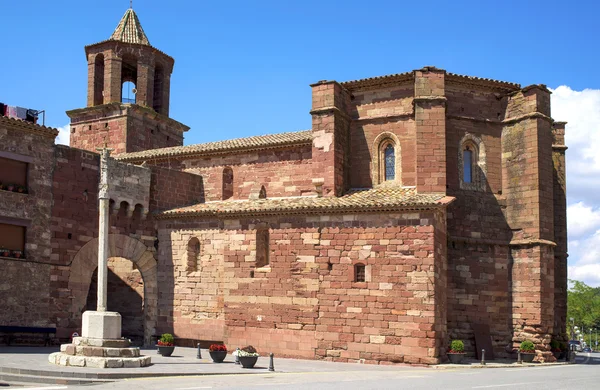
[217, 347]
[164, 344]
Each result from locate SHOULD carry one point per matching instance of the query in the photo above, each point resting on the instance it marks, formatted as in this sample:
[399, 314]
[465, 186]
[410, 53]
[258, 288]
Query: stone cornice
[108, 108]
[386, 118]
[561, 148]
[483, 241]
[473, 119]
[328, 110]
[534, 241]
[531, 115]
[433, 99]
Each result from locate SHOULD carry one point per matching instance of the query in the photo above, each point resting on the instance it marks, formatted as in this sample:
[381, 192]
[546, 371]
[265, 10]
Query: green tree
[583, 305]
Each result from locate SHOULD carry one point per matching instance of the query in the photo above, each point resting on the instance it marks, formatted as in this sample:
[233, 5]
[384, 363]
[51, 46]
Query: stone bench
[10, 331]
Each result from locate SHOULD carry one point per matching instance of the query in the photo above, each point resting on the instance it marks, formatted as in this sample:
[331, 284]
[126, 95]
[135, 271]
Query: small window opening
[262, 247]
[193, 255]
[359, 273]
[227, 183]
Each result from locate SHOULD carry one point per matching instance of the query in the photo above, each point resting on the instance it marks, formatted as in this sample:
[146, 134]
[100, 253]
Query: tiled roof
[356, 200]
[29, 126]
[130, 30]
[482, 80]
[250, 143]
[384, 80]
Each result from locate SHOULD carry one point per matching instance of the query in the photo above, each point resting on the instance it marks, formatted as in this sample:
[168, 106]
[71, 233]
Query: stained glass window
[467, 164]
[390, 162]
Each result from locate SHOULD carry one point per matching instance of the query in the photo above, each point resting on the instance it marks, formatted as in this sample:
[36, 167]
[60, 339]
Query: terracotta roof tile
[29, 126]
[258, 142]
[382, 81]
[129, 30]
[356, 200]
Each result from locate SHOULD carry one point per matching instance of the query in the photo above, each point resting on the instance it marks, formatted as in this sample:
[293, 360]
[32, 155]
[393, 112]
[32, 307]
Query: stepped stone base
[99, 353]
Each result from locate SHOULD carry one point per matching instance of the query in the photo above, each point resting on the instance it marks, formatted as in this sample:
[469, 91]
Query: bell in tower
[128, 94]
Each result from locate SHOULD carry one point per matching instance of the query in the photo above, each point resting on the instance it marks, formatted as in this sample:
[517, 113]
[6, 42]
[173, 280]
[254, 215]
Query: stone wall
[24, 289]
[306, 303]
[124, 128]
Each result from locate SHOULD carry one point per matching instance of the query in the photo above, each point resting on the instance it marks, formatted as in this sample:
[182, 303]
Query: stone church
[421, 207]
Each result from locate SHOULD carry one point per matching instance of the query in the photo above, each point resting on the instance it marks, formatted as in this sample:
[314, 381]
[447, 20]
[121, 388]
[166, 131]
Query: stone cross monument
[100, 344]
[102, 324]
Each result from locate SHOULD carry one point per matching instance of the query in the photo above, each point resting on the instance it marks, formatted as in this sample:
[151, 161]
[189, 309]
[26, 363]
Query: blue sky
[244, 67]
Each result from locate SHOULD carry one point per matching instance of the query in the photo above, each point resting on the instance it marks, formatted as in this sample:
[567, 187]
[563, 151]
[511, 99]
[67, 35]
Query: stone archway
[119, 245]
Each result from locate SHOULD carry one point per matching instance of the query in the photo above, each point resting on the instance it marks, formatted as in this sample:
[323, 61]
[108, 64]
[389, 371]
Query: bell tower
[128, 95]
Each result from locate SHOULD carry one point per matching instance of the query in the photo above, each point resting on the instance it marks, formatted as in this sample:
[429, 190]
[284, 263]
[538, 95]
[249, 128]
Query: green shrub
[457, 346]
[527, 346]
[555, 346]
[167, 338]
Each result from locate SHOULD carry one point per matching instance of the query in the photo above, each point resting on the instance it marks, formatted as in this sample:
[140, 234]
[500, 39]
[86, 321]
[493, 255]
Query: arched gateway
[119, 245]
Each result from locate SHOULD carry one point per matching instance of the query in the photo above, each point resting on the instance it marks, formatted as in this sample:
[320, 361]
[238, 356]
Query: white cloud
[589, 273]
[581, 109]
[582, 219]
[63, 135]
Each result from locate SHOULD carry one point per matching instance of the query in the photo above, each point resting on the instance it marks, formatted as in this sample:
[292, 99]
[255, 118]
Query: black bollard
[199, 355]
[519, 361]
[271, 365]
[237, 357]
[483, 357]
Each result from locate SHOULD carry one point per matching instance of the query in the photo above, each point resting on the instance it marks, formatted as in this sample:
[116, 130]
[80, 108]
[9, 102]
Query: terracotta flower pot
[218, 356]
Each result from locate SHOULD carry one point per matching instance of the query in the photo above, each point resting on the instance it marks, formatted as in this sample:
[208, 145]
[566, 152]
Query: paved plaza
[28, 367]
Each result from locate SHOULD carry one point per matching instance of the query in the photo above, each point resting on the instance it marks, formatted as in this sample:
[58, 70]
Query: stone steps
[48, 378]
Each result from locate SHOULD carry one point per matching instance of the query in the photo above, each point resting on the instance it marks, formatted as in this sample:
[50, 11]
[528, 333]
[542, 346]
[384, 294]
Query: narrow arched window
[227, 183]
[193, 255]
[99, 80]
[360, 274]
[390, 162]
[262, 247]
[467, 165]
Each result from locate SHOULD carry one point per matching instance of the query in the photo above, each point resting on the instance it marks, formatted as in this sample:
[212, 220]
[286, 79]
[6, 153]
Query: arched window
[128, 92]
[262, 247]
[128, 78]
[193, 255]
[472, 167]
[227, 183]
[99, 80]
[467, 165]
[390, 162]
[385, 164]
[360, 274]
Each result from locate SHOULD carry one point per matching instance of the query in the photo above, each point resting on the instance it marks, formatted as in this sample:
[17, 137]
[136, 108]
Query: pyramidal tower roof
[130, 30]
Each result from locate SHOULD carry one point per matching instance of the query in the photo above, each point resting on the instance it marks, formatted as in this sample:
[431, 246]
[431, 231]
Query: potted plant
[527, 349]
[10, 187]
[217, 352]
[21, 189]
[456, 354]
[4, 252]
[17, 254]
[166, 344]
[247, 356]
